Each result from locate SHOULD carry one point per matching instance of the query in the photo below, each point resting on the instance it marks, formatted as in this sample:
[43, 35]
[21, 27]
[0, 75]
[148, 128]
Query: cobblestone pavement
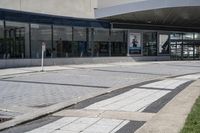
[22, 93]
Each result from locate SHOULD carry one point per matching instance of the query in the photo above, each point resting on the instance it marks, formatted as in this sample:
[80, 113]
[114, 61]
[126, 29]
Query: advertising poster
[134, 43]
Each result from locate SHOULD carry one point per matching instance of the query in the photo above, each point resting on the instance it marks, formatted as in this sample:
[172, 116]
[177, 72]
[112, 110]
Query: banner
[134, 43]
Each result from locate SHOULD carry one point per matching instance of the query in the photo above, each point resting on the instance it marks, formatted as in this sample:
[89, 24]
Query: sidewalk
[128, 111]
[27, 94]
[172, 117]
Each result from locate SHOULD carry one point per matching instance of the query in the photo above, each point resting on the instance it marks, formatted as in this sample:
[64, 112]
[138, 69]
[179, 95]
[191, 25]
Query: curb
[171, 118]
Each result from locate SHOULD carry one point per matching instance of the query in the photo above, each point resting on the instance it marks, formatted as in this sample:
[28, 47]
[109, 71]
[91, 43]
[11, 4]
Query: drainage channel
[4, 119]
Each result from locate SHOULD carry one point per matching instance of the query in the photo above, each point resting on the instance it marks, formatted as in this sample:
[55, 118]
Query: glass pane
[176, 36]
[80, 45]
[62, 44]
[101, 42]
[118, 43]
[150, 44]
[40, 33]
[163, 44]
[188, 51]
[2, 44]
[79, 34]
[101, 35]
[197, 52]
[197, 36]
[188, 36]
[17, 40]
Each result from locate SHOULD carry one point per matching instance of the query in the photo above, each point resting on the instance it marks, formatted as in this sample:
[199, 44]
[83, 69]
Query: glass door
[150, 44]
[197, 52]
[188, 52]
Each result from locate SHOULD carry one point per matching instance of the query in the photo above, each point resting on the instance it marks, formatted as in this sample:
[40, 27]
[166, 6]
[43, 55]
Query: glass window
[41, 33]
[80, 47]
[150, 44]
[188, 36]
[176, 36]
[197, 36]
[17, 40]
[62, 45]
[164, 44]
[101, 42]
[118, 43]
[2, 44]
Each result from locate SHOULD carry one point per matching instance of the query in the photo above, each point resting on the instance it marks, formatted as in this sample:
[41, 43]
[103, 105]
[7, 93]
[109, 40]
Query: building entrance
[186, 50]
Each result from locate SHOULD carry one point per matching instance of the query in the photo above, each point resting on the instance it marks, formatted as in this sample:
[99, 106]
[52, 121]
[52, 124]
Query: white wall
[71, 8]
[109, 3]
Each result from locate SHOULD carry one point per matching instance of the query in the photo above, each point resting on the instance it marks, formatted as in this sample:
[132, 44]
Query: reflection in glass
[41, 33]
[163, 44]
[197, 36]
[150, 44]
[17, 40]
[188, 36]
[101, 42]
[176, 36]
[188, 51]
[62, 45]
[118, 43]
[80, 47]
[197, 51]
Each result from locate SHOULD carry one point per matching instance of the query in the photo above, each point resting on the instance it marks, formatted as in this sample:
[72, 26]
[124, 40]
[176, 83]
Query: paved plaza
[113, 115]
[25, 89]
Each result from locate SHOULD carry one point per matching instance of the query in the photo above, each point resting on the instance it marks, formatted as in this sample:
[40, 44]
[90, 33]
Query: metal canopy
[178, 16]
[180, 13]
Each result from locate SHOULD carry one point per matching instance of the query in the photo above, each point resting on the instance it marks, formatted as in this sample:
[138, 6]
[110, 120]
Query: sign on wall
[134, 43]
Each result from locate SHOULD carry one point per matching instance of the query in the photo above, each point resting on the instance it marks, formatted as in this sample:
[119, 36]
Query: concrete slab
[172, 117]
[132, 100]
[167, 84]
[120, 115]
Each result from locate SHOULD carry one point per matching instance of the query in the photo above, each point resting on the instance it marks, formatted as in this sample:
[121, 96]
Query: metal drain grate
[4, 119]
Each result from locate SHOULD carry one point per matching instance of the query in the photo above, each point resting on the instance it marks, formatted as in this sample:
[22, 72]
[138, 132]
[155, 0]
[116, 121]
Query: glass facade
[20, 40]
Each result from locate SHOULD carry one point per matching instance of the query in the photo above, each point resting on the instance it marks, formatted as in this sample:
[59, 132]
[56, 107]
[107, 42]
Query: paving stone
[69, 82]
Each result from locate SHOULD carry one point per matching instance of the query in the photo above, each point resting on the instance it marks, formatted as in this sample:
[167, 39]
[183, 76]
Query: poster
[134, 43]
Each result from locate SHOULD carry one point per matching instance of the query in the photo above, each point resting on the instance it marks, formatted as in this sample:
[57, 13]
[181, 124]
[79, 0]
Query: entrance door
[176, 50]
[150, 44]
[188, 52]
[197, 52]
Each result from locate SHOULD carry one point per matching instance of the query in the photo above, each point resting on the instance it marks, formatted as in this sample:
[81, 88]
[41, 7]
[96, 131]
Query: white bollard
[42, 60]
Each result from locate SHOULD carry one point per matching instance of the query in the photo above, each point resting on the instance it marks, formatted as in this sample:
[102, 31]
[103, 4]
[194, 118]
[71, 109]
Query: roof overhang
[183, 13]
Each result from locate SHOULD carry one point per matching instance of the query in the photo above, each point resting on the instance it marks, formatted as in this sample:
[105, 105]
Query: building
[79, 30]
